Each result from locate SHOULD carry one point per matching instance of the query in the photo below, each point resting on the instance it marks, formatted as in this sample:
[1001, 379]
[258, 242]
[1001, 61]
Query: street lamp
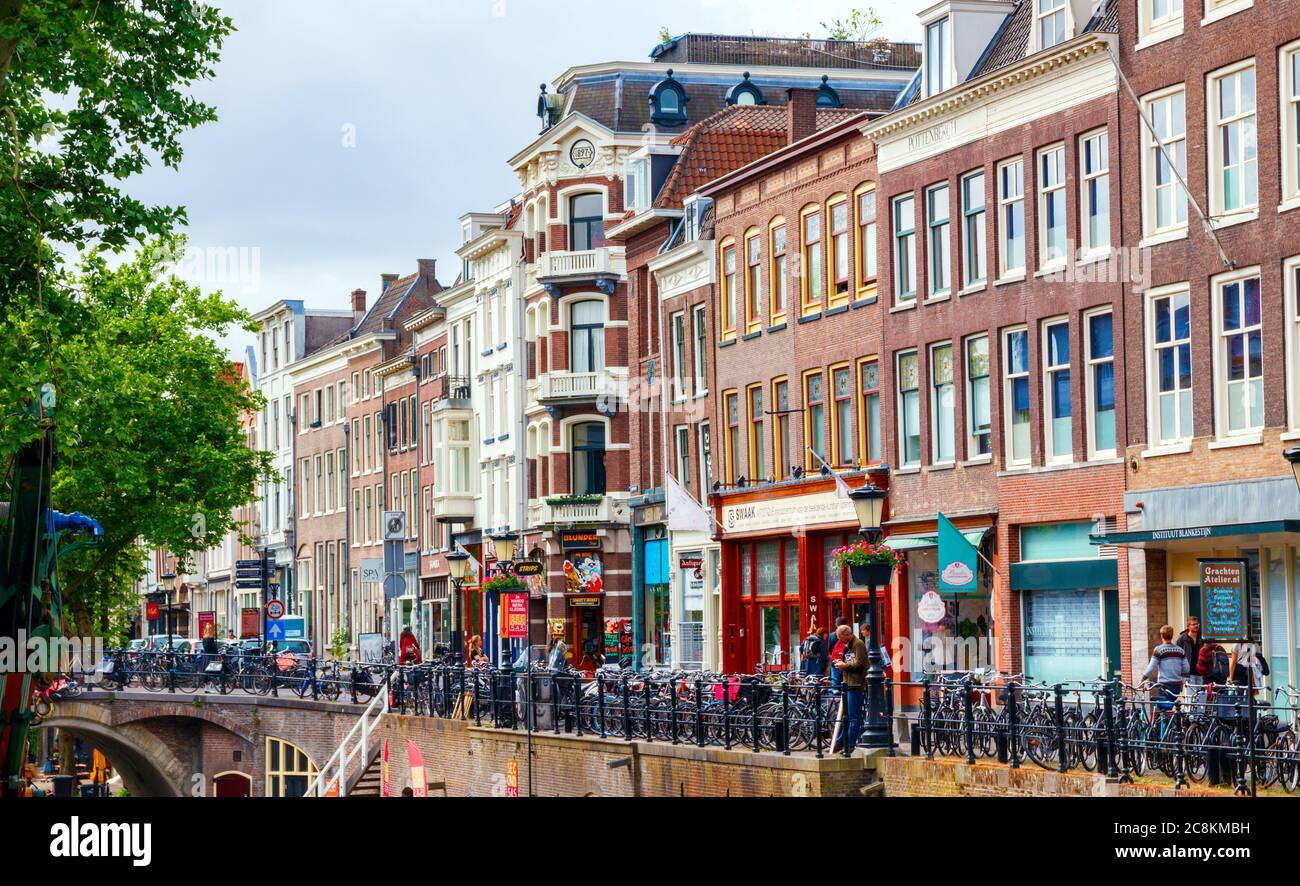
[170, 578]
[1293, 455]
[869, 503]
[506, 546]
[458, 569]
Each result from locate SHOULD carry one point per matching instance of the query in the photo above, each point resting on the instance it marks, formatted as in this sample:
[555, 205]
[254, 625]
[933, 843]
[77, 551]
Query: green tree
[859, 24]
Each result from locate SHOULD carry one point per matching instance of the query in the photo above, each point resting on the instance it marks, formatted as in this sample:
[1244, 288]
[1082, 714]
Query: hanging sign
[958, 561]
[512, 777]
[517, 616]
[151, 611]
[250, 623]
[1224, 587]
[932, 609]
[528, 568]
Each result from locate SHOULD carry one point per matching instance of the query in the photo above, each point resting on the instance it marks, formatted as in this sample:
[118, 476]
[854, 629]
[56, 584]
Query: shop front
[652, 631]
[584, 597]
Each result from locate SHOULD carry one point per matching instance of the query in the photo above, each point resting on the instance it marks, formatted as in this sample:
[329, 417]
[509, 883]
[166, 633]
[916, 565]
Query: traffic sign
[394, 585]
[275, 632]
[275, 610]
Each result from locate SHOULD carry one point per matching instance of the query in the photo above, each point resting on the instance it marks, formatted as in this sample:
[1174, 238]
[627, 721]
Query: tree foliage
[859, 25]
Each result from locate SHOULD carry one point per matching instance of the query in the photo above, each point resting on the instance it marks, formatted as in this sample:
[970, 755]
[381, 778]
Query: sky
[353, 135]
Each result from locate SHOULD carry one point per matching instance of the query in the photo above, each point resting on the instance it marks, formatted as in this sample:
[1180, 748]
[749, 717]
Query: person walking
[1168, 667]
[1190, 642]
[814, 653]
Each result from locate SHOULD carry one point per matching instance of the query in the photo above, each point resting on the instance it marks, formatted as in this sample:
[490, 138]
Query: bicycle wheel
[1196, 765]
[1135, 737]
[1288, 747]
[1039, 739]
[300, 682]
[1084, 739]
[330, 688]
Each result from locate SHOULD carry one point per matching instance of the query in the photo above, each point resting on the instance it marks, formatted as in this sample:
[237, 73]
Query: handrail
[342, 758]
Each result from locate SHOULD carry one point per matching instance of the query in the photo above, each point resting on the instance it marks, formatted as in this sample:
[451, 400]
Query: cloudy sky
[352, 135]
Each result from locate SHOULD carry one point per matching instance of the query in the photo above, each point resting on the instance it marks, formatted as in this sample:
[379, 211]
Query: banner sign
[517, 616]
[386, 789]
[1224, 588]
[207, 620]
[419, 787]
[512, 778]
[958, 561]
[151, 611]
[250, 623]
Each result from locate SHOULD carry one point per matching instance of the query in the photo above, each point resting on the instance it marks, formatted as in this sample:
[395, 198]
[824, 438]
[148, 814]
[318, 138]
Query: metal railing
[357, 751]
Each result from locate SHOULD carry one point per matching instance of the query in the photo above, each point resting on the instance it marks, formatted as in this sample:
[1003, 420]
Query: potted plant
[503, 583]
[868, 564]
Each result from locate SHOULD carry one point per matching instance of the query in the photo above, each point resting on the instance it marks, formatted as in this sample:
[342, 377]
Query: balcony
[608, 262]
[581, 387]
[453, 507]
[449, 391]
[558, 512]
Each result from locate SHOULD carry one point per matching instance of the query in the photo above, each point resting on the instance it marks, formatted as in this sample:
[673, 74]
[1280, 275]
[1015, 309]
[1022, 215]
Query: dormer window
[1050, 22]
[694, 209]
[936, 57]
[827, 97]
[745, 93]
[668, 102]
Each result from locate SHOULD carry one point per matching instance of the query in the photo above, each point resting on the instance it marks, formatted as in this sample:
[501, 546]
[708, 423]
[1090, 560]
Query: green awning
[1195, 533]
[920, 542]
[1067, 575]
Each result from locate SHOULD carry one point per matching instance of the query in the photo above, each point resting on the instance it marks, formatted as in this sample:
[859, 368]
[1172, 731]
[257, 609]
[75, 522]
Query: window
[811, 224]
[588, 459]
[1056, 380]
[728, 294]
[814, 431]
[668, 102]
[1239, 356]
[700, 355]
[1100, 342]
[979, 412]
[706, 459]
[841, 252]
[866, 201]
[1011, 216]
[586, 222]
[909, 410]
[943, 407]
[678, 325]
[1160, 18]
[1289, 74]
[936, 57]
[869, 409]
[781, 428]
[636, 184]
[1051, 26]
[842, 416]
[587, 336]
[780, 281]
[1234, 184]
[1094, 159]
[973, 235]
[1164, 161]
[753, 281]
[904, 249]
[939, 244]
[682, 434]
[289, 771]
[757, 458]
[1016, 396]
[1051, 207]
[1291, 289]
[731, 443]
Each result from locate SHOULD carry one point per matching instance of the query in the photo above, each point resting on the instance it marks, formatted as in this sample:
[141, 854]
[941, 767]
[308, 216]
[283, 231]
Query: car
[158, 642]
[299, 650]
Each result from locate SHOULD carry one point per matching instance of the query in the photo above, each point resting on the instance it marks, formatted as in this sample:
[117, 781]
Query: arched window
[588, 448]
[668, 102]
[586, 222]
[745, 93]
[827, 97]
[586, 336]
[289, 771]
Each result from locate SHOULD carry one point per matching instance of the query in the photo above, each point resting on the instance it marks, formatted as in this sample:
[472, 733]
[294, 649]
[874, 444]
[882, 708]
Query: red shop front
[777, 577]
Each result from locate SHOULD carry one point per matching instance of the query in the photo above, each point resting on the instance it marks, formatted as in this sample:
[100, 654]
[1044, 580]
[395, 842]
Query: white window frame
[972, 432]
[1216, 10]
[1006, 201]
[1086, 178]
[1151, 151]
[1050, 188]
[937, 78]
[1154, 439]
[682, 437]
[1214, 160]
[1057, 8]
[902, 412]
[901, 295]
[1289, 85]
[938, 239]
[677, 343]
[1008, 411]
[1091, 363]
[1250, 433]
[935, 395]
[1049, 370]
[1152, 30]
[1291, 300]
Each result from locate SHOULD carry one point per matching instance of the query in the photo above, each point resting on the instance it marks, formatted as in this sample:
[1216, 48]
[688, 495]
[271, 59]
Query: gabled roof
[410, 294]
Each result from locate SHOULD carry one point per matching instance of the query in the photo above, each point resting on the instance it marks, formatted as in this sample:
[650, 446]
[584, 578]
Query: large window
[1059, 431]
[813, 270]
[1291, 300]
[781, 428]
[1051, 207]
[1011, 218]
[979, 415]
[904, 249]
[701, 352]
[731, 443]
[1239, 354]
[780, 283]
[869, 410]
[1100, 342]
[940, 240]
[757, 417]
[936, 57]
[1164, 161]
[943, 406]
[973, 230]
[841, 251]
[728, 295]
[586, 222]
[682, 434]
[1234, 182]
[1170, 334]
[677, 323]
[814, 387]
[866, 205]
[588, 459]
[909, 410]
[289, 771]
[1050, 27]
[587, 336]
[753, 281]
[1015, 363]
[1289, 75]
[842, 416]
[1159, 18]
[1094, 204]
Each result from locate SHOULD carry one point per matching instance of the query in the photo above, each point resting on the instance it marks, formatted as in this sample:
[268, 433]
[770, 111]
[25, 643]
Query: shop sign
[517, 616]
[932, 609]
[151, 611]
[555, 627]
[693, 565]
[207, 620]
[527, 568]
[788, 514]
[580, 541]
[250, 623]
[586, 602]
[372, 571]
[1224, 585]
[512, 777]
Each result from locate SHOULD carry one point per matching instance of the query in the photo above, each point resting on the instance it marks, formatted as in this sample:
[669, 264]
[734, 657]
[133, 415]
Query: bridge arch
[147, 765]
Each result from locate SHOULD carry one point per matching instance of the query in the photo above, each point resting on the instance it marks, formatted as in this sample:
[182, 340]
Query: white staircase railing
[358, 748]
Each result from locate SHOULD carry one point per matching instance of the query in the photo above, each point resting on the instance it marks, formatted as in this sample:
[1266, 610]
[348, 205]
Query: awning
[1066, 575]
[920, 542]
[1197, 533]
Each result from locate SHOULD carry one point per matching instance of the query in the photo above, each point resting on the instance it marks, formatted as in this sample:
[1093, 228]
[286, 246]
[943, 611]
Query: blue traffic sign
[274, 632]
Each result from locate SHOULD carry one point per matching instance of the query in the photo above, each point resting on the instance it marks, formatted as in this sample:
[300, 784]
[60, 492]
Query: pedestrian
[1190, 642]
[814, 653]
[1169, 667]
[476, 656]
[852, 666]
[556, 659]
[408, 648]
[837, 651]
[1247, 666]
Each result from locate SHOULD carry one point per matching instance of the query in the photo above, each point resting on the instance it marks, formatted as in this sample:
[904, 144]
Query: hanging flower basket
[868, 564]
[503, 584]
[872, 574]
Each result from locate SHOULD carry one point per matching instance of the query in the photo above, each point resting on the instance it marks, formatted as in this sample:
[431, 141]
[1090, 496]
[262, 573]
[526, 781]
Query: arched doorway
[232, 784]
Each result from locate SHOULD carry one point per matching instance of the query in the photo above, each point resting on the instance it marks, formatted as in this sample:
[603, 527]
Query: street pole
[876, 734]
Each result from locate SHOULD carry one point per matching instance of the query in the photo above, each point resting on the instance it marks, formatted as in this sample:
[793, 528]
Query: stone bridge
[176, 745]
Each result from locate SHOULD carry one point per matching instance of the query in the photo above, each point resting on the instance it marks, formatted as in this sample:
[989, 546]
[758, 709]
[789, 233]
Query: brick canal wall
[472, 762]
[919, 777]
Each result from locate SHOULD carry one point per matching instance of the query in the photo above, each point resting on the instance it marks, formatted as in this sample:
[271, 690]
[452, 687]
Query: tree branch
[10, 10]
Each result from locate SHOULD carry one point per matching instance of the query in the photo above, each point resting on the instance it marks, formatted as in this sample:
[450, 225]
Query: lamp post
[170, 578]
[869, 503]
[505, 545]
[458, 569]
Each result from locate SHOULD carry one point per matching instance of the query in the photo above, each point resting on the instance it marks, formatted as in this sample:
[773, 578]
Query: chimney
[385, 281]
[358, 303]
[801, 114]
[428, 271]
